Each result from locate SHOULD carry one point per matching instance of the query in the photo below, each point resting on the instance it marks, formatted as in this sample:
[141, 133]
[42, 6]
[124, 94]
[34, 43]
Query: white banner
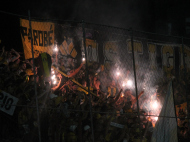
[166, 126]
[7, 103]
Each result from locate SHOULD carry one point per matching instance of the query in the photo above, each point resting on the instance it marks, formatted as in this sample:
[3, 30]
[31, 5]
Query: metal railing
[127, 71]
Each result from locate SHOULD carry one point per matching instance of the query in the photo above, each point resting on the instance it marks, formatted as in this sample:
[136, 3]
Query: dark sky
[138, 14]
[120, 13]
[145, 15]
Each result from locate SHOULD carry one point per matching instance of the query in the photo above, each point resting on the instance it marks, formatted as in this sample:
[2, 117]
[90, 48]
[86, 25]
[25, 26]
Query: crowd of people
[67, 112]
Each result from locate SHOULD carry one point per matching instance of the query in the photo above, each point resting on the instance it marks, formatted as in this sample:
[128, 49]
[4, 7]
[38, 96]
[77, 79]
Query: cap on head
[86, 127]
[52, 96]
[127, 90]
[124, 140]
[72, 127]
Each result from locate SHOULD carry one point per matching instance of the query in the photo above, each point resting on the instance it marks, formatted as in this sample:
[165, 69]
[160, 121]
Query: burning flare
[118, 73]
[155, 105]
[83, 59]
[56, 49]
[129, 83]
[156, 118]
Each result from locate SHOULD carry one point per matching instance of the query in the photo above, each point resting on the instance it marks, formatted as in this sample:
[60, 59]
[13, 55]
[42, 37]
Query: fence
[105, 84]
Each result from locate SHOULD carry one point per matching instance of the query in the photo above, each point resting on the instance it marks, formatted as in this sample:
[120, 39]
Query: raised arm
[85, 101]
[3, 50]
[28, 62]
[17, 55]
[75, 71]
[118, 95]
[57, 86]
[135, 100]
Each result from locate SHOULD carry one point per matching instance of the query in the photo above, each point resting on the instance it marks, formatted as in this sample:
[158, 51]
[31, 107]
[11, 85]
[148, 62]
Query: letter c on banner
[167, 59]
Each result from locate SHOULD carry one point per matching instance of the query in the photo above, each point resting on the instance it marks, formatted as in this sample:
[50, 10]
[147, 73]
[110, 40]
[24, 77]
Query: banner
[91, 49]
[43, 37]
[7, 102]
[67, 48]
[187, 57]
[110, 50]
[137, 45]
[166, 126]
[138, 49]
[110, 53]
[167, 59]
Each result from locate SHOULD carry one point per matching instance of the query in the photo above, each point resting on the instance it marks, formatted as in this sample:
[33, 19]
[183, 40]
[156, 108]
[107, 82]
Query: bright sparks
[56, 49]
[83, 59]
[155, 105]
[122, 95]
[156, 118]
[53, 72]
[155, 109]
[123, 84]
[118, 73]
[54, 82]
[53, 77]
[129, 83]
